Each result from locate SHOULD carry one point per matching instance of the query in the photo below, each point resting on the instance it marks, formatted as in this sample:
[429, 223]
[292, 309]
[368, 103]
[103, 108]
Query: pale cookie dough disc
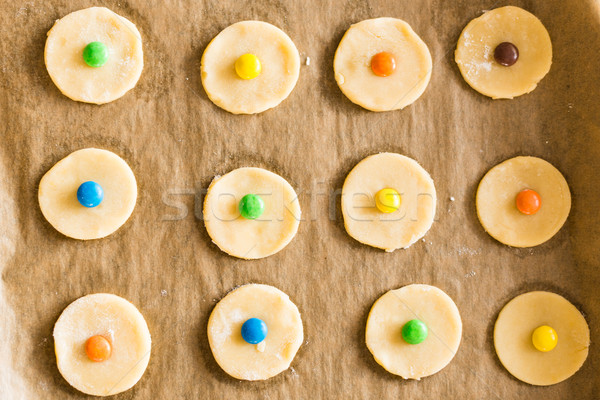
[246, 238]
[394, 309]
[475, 52]
[255, 361]
[514, 328]
[58, 194]
[496, 201]
[400, 229]
[114, 318]
[352, 64]
[64, 55]
[279, 60]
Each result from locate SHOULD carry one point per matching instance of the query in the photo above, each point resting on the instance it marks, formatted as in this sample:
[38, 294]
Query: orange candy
[529, 201]
[383, 64]
[98, 348]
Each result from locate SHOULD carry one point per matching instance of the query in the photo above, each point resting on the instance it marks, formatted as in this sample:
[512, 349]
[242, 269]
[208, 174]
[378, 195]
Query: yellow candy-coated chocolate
[544, 338]
[388, 200]
[248, 66]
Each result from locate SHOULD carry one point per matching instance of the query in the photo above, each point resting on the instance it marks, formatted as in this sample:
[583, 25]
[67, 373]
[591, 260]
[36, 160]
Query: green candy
[251, 206]
[95, 54]
[414, 331]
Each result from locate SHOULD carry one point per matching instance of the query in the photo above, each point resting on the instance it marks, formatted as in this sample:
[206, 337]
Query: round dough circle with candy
[279, 60]
[513, 338]
[115, 319]
[478, 41]
[67, 68]
[391, 311]
[355, 77]
[58, 194]
[275, 353]
[388, 231]
[251, 238]
[496, 201]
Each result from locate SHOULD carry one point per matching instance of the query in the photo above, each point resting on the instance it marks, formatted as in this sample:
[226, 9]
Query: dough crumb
[261, 346]
[470, 274]
[307, 61]
[464, 250]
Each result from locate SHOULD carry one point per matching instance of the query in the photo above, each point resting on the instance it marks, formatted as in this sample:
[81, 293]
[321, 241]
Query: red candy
[529, 202]
[98, 348]
[383, 64]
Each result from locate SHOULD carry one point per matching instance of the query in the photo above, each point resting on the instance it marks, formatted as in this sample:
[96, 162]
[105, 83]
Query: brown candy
[506, 54]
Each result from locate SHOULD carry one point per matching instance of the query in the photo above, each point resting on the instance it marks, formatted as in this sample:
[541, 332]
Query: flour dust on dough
[477, 43]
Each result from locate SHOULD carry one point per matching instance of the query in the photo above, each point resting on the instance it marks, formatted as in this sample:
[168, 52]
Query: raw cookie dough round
[114, 318]
[251, 238]
[395, 308]
[58, 194]
[280, 67]
[475, 52]
[400, 229]
[352, 64]
[273, 355]
[512, 338]
[497, 210]
[77, 80]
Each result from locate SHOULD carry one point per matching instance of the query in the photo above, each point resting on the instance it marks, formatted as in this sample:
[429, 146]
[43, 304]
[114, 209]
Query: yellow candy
[388, 200]
[248, 66]
[544, 338]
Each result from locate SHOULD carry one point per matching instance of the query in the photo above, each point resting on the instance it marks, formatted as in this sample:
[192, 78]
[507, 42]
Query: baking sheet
[176, 140]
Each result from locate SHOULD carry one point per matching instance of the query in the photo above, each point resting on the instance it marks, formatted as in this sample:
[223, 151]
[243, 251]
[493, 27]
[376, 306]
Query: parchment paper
[176, 140]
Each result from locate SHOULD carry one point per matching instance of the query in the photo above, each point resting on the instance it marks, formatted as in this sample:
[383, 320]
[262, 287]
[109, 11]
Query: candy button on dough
[261, 361]
[388, 231]
[512, 338]
[64, 55]
[394, 309]
[352, 64]
[114, 318]
[496, 201]
[58, 194]
[251, 238]
[475, 52]
[280, 67]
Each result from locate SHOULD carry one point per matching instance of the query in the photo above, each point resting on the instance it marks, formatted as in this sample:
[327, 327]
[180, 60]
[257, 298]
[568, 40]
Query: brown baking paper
[176, 141]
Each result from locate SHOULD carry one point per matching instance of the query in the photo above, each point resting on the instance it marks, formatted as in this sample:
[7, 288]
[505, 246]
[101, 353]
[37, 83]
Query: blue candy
[254, 330]
[90, 194]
